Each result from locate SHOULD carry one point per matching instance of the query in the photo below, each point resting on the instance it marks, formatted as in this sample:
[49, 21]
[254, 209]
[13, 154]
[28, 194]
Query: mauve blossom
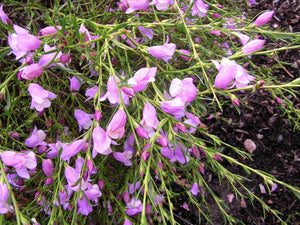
[186, 58]
[22, 42]
[116, 128]
[4, 193]
[134, 206]
[129, 143]
[165, 51]
[101, 142]
[176, 107]
[161, 4]
[124, 157]
[53, 149]
[137, 5]
[141, 132]
[112, 93]
[141, 78]
[253, 46]
[149, 120]
[49, 57]
[40, 97]
[31, 71]
[20, 161]
[195, 189]
[72, 149]
[48, 167]
[65, 58]
[64, 196]
[36, 138]
[3, 16]
[91, 92]
[127, 222]
[184, 89]
[97, 115]
[163, 141]
[148, 32]
[243, 38]
[75, 83]
[193, 121]
[84, 119]
[48, 30]
[229, 70]
[133, 187]
[264, 18]
[177, 154]
[199, 8]
[93, 193]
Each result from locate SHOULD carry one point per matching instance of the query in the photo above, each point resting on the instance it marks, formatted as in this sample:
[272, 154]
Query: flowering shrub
[106, 104]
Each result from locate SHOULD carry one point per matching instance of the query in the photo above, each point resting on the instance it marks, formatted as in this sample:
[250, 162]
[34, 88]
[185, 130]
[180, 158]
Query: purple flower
[176, 107]
[149, 120]
[113, 92]
[48, 167]
[91, 92]
[127, 222]
[22, 42]
[84, 31]
[165, 51]
[199, 8]
[84, 119]
[184, 89]
[72, 149]
[48, 30]
[116, 127]
[4, 193]
[180, 154]
[75, 83]
[20, 161]
[3, 16]
[195, 189]
[133, 187]
[65, 58]
[161, 4]
[101, 142]
[49, 57]
[31, 71]
[253, 46]
[36, 138]
[229, 70]
[141, 78]
[134, 206]
[142, 132]
[40, 97]
[264, 18]
[124, 157]
[137, 5]
[97, 115]
[193, 121]
[243, 38]
[148, 32]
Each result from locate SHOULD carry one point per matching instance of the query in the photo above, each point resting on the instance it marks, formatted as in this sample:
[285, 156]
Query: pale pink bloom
[199, 8]
[91, 92]
[163, 141]
[253, 46]
[22, 42]
[116, 127]
[243, 38]
[176, 107]
[161, 4]
[84, 119]
[134, 206]
[4, 193]
[3, 16]
[193, 121]
[47, 58]
[264, 18]
[40, 97]
[149, 119]
[142, 77]
[127, 222]
[20, 161]
[48, 30]
[112, 93]
[36, 138]
[88, 37]
[31, 71]
[165, 51]
[137, 5]
[75, 83]
[124, 157]
[101, 142]
[184, 89]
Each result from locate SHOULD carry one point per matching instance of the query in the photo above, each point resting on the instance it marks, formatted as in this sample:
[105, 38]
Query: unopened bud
[163, 141]
[65, 58]
[142, 132]
[97, 115]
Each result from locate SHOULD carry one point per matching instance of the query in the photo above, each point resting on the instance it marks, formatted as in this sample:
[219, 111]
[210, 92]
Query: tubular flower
[253, 46]
[36, 138]
[22, 42]
[40, 97]
[31, 71]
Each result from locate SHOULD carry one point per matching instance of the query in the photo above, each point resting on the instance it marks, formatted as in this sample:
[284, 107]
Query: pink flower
[75, 83]
[184, 89]
[149, 119]
[72, 149]
[4, 18]
[186, 58]
[36, 138]
[47, 58]
[48, 30]
[161, 4]
[40, 97]
[177, 154]
[243, 38]
[22, 42]
[4, 193]
[142, 132]
[193, 121]
[137, 5]
[116, 127]
[148, 32]
[101, 142]
[176, 107]
[229, 70]
[84, 119]
[31, 71]
[84, 31]
[20, 161]
[48, 167]
[141, 78]
[199, 8]
[264, 18]
[134, 206]
[195, 189]
[124, 157]
[91, 92]
[253, 46]
[165, 51]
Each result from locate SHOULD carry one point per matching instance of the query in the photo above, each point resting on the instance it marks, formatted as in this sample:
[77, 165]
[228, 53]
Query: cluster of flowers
[181, 93]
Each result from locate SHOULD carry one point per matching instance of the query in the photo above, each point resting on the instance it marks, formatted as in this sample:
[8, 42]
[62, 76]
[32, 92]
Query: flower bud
[101, 184]
[49, 181]
[278, 100]
[253, 46]
[126, 197]
[65, 58]
[163, 141]
[129, 91]
[29, 59]
[236, 101]
[264, 18]
[181, 127]
[97, 115]
[145, 155]
[142, 132]
[47, 167]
